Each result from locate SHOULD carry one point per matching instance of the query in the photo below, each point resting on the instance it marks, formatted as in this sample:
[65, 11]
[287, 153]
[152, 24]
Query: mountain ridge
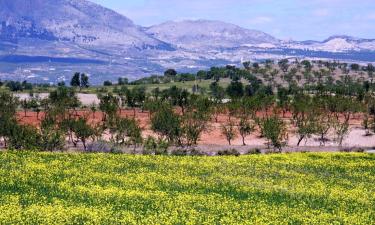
[35, 35]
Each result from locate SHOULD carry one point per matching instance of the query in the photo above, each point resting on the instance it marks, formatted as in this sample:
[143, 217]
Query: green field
[47, 188]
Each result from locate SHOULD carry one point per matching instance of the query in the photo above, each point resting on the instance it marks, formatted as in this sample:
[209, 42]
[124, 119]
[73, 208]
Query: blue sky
[285, 19]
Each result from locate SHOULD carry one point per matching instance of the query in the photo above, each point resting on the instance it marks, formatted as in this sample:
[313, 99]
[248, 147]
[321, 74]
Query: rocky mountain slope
[77, 21]
[49, 40]
[205, 34]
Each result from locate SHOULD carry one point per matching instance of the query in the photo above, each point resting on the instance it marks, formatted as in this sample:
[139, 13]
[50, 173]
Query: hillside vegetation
[46, 188]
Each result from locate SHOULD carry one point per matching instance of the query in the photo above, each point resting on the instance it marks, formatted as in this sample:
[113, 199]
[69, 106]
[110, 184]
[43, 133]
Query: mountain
[203, 34]
[337, 43]
[77, 21]
[48, 40]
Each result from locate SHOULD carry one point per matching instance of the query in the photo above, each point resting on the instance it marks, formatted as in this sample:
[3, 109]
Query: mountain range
[48, 40]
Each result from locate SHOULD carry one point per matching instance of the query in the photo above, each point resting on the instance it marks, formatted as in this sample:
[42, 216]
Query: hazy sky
[296, 19]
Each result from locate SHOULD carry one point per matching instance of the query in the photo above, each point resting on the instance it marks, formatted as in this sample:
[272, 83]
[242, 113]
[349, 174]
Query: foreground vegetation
[46, 188]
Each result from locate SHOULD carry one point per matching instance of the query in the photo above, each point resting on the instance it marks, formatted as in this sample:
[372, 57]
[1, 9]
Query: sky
[284, 19]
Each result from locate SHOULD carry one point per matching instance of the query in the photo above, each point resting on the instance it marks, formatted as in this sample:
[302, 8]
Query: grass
[47, 188]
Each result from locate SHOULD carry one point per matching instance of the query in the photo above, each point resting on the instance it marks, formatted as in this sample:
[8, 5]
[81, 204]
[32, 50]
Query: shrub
[180, 152]
[228, 152]
[150, 146]
[154, 146]
[254, 151]
[354, 149]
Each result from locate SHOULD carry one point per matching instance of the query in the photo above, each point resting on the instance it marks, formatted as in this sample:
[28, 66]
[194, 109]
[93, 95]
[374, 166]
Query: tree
[202, 75]
[80, 80]
[84, 81]
[25, 105]
[52, 136]
[8, 109]
[323, 125]
[139, 95]
[354, 67]
[24, 137]
[274, 130]
[107, 83]
[235, 89]
[167, 124]
[76, 80]
[245, 128]
[177, 97]
[170, 73]
[283, 99]
[247, 65]
[342, 108]
[284, 65]
[122, 81]
[109, 104]
[126, 131]
[82, 131]
[229, 131]
[217, 92]
[304, 117]
[93, 109]
[195, 120]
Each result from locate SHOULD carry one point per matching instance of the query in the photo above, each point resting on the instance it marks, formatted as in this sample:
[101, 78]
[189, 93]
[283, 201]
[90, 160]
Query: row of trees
[180, 118]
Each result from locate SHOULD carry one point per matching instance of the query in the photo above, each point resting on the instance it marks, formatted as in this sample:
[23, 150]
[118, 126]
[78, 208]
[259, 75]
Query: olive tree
[229, 131]
[274, 130]
[82, 131]
[167, 124]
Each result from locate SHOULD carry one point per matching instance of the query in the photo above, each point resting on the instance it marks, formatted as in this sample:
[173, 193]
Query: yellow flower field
[50, 188]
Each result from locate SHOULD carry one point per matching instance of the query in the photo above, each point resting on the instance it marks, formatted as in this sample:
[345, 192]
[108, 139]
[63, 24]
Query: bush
[162, 148]
[150, 146]
[254, 151]
[153, 146]
[354, 149]
[228, 152]
[180, 152]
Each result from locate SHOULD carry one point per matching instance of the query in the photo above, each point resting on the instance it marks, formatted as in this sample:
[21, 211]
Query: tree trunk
[84, 144]
[300, 140]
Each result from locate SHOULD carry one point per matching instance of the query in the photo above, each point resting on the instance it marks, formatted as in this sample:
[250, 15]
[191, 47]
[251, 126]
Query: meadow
[303, 188]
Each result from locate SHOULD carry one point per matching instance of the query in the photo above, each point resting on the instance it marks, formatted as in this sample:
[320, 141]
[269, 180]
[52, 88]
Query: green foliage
[24, 137]
[153, 146]
[245, 128]
[167, 124]
[109, 104]
[82, 131]
[125, 131]
[170, 73]
[235, 89]
[274, 130]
